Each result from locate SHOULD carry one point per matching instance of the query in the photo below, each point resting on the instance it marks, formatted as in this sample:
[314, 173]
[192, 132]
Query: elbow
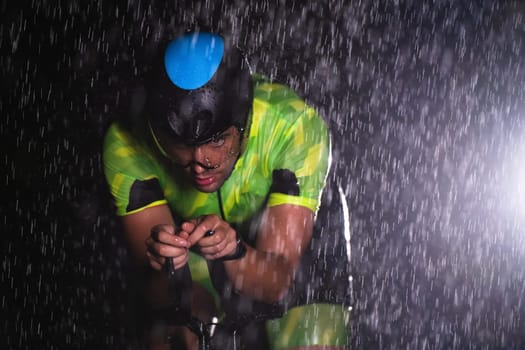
[282, 283]
[270, 281]
[271, 293]
[279, 290]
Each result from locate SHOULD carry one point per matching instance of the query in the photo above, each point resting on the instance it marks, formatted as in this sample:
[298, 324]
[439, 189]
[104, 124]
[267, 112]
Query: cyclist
[224, 173]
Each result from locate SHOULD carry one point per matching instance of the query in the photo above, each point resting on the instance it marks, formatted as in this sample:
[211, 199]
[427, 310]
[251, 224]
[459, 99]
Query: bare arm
[154, 283]
[137, 230]
[265, 272]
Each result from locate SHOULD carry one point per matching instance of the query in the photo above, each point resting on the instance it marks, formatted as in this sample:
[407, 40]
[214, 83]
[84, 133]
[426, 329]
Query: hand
[164, 243]
[221, 243]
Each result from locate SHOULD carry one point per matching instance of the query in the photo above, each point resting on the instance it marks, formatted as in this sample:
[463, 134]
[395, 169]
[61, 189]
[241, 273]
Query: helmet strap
[156, 141]
[245, 132]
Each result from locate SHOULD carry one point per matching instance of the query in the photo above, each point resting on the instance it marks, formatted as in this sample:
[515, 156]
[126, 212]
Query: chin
[206, 189]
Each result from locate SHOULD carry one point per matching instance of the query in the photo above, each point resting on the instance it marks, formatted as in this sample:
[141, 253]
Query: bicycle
[180, 285]
[221, 334]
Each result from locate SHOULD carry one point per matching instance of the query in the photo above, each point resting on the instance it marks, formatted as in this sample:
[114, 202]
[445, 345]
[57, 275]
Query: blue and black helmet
[201, 86]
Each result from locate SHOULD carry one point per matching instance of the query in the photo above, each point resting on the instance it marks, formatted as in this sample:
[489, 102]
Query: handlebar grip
[180, 287]
[170, 269]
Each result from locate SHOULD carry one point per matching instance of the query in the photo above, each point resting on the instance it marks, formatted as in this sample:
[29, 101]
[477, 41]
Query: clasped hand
[166, 241]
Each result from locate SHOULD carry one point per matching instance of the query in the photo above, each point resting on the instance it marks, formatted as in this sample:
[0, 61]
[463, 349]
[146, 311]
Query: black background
[425, 102]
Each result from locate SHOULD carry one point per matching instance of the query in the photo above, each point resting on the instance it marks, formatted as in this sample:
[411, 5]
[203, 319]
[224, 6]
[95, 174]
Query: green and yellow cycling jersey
[285, 136]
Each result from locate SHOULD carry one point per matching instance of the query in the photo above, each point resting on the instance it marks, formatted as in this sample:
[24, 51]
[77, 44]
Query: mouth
[204, 181]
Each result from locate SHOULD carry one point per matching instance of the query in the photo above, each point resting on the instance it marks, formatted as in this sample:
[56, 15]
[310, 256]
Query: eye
[218, 141]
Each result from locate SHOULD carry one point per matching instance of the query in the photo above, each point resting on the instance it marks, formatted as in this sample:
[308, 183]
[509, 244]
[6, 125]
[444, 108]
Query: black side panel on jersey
[144, 192]
[284, 181]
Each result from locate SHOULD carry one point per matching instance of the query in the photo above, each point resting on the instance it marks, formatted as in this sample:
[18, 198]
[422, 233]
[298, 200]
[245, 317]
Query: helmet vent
[176, 124]
[201, 123]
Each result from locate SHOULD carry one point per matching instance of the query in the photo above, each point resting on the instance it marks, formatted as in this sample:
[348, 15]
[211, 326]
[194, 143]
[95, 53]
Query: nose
[199, 160]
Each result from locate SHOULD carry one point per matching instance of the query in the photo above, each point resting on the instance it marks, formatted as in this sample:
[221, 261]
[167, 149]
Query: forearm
[266, 271]
[261, 275]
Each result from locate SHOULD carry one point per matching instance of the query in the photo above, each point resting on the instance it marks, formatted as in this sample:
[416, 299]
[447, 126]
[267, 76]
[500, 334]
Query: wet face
[208, 165]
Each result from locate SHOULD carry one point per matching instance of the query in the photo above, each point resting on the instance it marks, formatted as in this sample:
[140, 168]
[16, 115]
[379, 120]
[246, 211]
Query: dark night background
[425, 101]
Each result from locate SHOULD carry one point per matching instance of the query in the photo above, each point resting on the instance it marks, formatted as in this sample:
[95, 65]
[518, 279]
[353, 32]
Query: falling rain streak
[425, 101]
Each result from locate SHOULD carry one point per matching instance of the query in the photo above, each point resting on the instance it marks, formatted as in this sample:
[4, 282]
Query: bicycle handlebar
[179, 311]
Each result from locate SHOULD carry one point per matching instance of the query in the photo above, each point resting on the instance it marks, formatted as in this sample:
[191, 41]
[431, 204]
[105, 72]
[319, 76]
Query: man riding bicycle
[224, 174]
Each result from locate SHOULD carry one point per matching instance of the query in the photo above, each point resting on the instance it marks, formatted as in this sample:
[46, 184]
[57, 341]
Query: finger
[219, 249]
[183, 234]
[203, 232]
[163, 249]
[155, 230]
[211, 238]
[164, 227]
[185, 231]
[221, 236]
[220, 243]
[166, 250]
[189, 226]
[171, 239]
[209, 223]
[212, 245]
[230, 249]
[153, 255]
[155, 261]
[158, 261]
[180, 261]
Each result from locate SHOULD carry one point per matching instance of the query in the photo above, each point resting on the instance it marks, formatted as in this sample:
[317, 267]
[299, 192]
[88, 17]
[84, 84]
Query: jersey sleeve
[302, 158]
[130, 172]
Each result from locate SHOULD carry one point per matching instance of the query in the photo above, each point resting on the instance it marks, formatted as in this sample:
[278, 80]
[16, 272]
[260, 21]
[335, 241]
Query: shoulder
[278, 107]
[123, 146]
[116, 134]
[277, 96]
